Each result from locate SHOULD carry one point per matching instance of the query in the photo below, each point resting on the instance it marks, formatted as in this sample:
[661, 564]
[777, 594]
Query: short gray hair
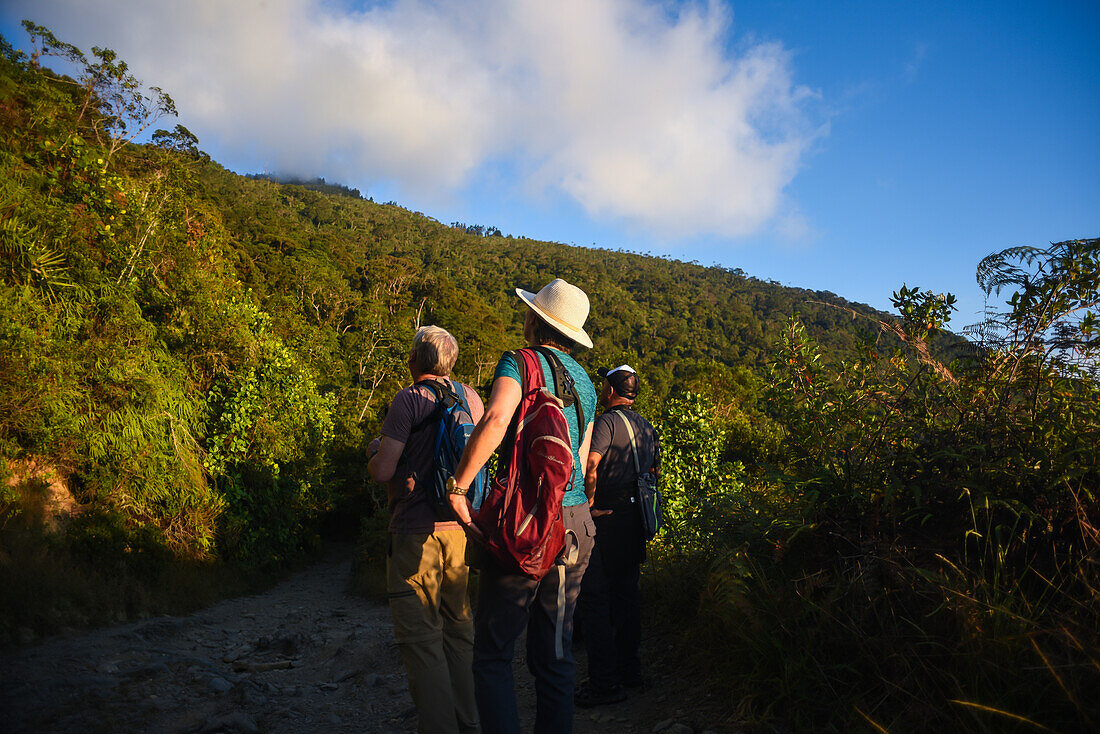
[434, 351]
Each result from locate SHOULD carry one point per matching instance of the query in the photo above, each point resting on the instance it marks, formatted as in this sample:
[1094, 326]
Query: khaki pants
[426, 578]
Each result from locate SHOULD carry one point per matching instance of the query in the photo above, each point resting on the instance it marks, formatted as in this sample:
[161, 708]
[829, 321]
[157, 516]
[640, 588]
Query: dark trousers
[506, 604]
[610, 610]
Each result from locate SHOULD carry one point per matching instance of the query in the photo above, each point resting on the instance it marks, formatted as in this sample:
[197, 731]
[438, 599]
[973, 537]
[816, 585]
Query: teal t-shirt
[507, 367]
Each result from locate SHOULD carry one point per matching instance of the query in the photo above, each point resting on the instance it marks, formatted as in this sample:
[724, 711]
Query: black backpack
[646, 495]
[454, 423]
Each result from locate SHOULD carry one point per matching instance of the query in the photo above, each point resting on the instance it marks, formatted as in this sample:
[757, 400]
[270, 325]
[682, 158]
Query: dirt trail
[305, 656]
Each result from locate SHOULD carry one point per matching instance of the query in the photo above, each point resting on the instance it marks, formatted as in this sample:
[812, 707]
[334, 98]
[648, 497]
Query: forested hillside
[870, 522]
[177, 332]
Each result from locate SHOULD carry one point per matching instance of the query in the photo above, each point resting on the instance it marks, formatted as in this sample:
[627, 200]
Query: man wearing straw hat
[509, 602]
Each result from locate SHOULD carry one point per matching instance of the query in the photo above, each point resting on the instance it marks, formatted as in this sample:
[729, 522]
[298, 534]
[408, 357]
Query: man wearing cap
[610, 601]
[507, 602]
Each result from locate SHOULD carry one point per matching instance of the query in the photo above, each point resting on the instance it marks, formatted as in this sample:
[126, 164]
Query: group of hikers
[561, 526]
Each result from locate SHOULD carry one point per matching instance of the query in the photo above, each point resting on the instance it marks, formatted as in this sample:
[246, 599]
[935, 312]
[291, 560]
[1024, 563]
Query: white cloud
[916, 61]
[638, 111]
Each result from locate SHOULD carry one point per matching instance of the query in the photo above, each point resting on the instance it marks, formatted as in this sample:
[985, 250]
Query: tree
[1052, 316]
[123, 108]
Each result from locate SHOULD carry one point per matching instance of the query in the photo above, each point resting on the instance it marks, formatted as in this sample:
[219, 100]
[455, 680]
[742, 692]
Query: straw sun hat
[562, 306]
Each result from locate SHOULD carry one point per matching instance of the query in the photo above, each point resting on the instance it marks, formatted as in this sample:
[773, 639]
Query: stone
[346, 676]
[219, 685]
[259, 700]
[661, 726]
[234, 654]
[287, 645]
[238, 721]
[194, 661]
[679, 729]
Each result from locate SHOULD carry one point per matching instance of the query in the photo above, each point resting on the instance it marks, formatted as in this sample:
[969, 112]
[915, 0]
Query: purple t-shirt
[411, 509]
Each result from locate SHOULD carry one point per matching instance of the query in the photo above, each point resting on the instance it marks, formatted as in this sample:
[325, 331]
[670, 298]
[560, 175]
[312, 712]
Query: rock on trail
[305, 656]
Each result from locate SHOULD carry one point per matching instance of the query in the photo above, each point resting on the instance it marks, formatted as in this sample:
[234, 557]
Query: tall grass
[819, 640]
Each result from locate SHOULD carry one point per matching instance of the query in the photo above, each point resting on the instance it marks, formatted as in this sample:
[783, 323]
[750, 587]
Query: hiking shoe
[589, 695]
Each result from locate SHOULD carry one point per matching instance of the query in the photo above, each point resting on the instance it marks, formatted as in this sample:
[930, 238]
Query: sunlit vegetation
[920, 553]
[872, 524]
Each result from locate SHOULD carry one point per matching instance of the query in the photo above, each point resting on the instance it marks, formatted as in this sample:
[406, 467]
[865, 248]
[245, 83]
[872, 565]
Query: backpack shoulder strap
[459, 394]
[564, 386]
[517, 356]
[438, 391]
[563, 382]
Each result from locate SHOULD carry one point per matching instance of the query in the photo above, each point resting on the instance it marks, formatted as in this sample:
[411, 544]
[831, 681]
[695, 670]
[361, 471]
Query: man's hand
[461, 506]
[595, 512]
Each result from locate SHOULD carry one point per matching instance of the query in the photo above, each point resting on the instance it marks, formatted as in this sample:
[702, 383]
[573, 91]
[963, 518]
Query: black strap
[522, 370]
[445, 396]
[564, 387]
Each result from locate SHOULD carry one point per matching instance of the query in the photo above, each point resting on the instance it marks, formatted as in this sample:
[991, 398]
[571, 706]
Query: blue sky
[848, 147]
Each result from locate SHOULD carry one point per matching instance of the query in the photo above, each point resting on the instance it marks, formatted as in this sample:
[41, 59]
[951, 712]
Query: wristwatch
[453, 488]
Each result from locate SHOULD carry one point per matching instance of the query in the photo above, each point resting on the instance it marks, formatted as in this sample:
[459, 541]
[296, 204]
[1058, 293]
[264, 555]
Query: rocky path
[305, 656]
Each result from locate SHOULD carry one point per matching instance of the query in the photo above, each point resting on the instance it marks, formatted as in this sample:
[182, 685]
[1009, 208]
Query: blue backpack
[454, 424]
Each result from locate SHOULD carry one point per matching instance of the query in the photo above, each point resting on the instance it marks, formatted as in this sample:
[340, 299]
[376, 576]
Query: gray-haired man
[426, 571]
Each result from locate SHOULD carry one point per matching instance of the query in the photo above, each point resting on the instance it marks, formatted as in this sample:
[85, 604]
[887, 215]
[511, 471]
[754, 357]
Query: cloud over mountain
[641, 113]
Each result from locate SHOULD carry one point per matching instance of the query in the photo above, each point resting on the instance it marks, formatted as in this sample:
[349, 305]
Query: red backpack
[521, 516]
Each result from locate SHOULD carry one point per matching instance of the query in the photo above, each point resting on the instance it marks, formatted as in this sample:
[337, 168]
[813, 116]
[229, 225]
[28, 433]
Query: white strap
[559, 623]
[633, 445]
[568, 557]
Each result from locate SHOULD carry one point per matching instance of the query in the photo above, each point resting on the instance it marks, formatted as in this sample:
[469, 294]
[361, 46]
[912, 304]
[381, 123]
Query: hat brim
[577, 335]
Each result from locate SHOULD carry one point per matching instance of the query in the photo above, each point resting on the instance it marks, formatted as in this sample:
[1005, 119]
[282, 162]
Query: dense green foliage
[871, 523]
[923, 553]
[133, 359]
[203, 356]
